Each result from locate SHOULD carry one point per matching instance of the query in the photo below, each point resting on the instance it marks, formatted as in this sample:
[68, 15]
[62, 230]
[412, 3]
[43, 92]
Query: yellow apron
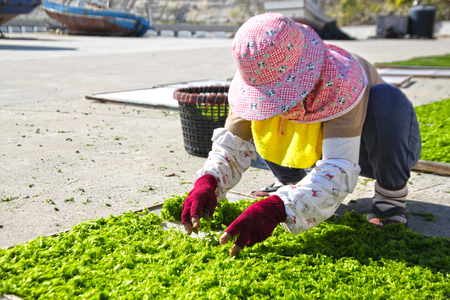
[288, 143]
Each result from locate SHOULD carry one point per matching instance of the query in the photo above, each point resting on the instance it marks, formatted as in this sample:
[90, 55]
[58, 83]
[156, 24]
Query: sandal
[381, 218]
[265, 192]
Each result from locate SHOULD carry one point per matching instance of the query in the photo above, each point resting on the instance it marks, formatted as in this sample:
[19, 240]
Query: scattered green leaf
[147, 189]
[7, 199]
[428, 217]
[50, 201]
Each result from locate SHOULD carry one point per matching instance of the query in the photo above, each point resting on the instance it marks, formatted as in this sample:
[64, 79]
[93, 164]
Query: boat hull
[97, 21]
[12, 8]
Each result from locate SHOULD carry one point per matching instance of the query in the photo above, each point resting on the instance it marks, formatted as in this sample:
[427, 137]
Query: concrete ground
[65, 159]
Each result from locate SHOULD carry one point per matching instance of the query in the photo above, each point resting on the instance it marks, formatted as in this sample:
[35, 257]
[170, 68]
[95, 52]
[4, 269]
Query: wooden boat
[12, 8]
[92, 18]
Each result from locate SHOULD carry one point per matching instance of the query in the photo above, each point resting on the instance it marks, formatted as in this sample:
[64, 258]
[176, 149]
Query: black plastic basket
[202, 109]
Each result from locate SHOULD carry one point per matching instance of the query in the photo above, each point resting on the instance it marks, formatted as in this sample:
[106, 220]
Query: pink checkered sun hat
[284, 68]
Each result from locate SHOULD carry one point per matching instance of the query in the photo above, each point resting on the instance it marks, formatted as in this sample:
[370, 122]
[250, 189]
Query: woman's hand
[255, 224]
[202, 200]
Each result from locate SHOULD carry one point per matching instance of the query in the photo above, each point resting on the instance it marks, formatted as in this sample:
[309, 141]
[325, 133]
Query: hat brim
[260, 102]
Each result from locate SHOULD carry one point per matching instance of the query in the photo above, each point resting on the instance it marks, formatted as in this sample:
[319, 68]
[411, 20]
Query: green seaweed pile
[434, 122]
[224, 214]
[424, 61]
[132, 257]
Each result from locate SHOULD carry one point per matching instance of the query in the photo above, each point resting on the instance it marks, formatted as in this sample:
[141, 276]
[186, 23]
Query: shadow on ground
[35, 48]
[417, 212]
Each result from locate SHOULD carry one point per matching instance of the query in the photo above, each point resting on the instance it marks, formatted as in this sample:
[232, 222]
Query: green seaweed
[434, 122]
[224, 214]
[424, 61]
[132, 257]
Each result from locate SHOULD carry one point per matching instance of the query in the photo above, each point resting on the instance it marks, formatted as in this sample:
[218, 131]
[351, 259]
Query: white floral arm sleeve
[229, 158]
[317, 196]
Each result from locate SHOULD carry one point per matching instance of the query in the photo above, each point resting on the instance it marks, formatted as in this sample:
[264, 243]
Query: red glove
[256, 223]
[202, 198]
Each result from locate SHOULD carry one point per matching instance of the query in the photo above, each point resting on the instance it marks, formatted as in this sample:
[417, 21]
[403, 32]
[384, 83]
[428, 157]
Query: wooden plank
[396, 80]
[382, 66]
[242, 194]
[431, 72]
[432, 167]
[160, 96]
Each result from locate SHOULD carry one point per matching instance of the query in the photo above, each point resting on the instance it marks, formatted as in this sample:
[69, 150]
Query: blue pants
[390, 140]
